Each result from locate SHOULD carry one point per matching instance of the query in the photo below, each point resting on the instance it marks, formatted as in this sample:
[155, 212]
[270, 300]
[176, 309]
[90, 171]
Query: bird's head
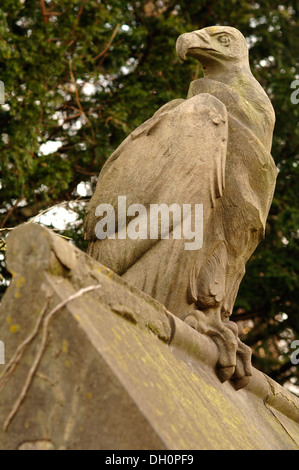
[215, 45]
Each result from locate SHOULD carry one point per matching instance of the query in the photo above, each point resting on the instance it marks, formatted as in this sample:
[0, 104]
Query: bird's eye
[225, 40]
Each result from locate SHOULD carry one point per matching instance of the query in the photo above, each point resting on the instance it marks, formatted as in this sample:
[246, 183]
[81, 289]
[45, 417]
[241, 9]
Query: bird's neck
[252, 100]
[227, 73]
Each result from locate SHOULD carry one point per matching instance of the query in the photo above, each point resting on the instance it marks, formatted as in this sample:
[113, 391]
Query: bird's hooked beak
[192, 44]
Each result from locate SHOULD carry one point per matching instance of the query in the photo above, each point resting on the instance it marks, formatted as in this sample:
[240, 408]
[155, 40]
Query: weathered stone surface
[118, 371]
[212, 149]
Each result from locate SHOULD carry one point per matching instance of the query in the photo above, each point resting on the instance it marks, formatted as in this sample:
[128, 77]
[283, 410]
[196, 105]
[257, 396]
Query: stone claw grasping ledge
[234, 357]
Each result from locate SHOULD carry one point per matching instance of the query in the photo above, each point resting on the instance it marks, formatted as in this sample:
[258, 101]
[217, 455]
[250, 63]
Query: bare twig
[46, 14]
[77, 93]
[103, 52]
[9, 213]
[76, 22]
[44, 11]
[59, 204]
[42, 347]
[15, 359]
[79, 14]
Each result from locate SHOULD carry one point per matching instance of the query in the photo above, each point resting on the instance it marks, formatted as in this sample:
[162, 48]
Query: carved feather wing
[177, 156]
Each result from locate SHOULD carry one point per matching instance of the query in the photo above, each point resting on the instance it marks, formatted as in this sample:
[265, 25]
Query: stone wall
[111, 368]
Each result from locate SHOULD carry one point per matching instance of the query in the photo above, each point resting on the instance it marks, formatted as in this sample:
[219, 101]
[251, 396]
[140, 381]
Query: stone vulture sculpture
[211, 149]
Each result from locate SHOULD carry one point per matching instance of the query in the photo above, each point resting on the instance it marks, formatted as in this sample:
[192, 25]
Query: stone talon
[234, 361]
[225, 373]
[192, 321]
[243, 372]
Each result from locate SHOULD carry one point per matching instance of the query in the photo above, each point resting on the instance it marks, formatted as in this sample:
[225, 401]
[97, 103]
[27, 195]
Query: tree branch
[105, 50]
[77, 93]
[8, 214]
[46, 14]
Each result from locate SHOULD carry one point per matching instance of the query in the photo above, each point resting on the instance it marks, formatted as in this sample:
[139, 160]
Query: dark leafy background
[126, 49]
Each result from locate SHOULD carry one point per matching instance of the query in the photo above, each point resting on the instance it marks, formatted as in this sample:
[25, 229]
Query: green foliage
[49, 52]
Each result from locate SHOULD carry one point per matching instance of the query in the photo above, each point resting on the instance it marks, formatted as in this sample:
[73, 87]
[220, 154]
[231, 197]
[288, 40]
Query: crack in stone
[272, 393]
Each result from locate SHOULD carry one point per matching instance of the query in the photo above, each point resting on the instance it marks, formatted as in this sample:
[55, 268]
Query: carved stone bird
[212, 149]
